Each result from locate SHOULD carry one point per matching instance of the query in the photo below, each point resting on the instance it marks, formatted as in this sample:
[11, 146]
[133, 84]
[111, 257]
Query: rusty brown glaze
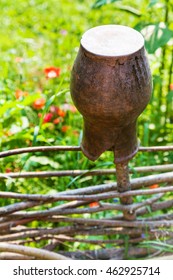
[110, 92]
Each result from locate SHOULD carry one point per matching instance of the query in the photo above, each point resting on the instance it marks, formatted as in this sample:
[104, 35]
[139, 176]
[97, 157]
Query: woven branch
[102, 207]
[33, 252]
[14, 256]
[156, 149]
[18, 206]
[39, 149]
[106, 254]
[143, 223]
[75, 194]
[74, 173]
[102, 230]
[50, 234]
[71, 148]
[97, 197]
[111, 254]
[135, 183]
[61, 238]
[89, 227]
[35, 233]
[14, 217]
[71, 204]
[23, 217]
[157, 206]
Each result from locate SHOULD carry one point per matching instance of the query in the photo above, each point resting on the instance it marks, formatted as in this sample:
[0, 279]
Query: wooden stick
[16, 234]
[13, 256]
[6, 226]
[33, 252]
[10, 225]
[5, 210]
[39, 149]
[156, 149]
[143, 223]
[111, 254]
[71, 148]
[97, 241]
[123, 185]
[135, 183]
[157, 206]
[52, 233]
[36, 233]
[24, 217]
[62, 196]
[74, 173]
[55, 210]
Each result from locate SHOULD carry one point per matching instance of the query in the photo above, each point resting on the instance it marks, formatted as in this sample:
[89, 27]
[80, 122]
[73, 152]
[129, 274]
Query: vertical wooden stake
[123, 185]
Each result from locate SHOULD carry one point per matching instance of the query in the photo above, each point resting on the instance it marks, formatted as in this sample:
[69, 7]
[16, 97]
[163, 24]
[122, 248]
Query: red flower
[56, 121]
[8, 170]
[39, 103]
[57, 111]
[94, 204]
[155, 186]
[65, 128]
[19, 93]
[54, 109]
[39, 115]
[171, 86]
[61, 113]
[52, 72]
[47, 117]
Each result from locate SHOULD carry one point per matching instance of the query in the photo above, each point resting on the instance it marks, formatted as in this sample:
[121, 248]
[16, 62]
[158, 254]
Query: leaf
[159, 245]
[6, 106]
[36, 132]
[170, 96]
[146, 134]
[10, 108]
[100, 3]
[156, 36]
[31, 115]
[29, 99]
[42, 160]
[130, 10]
[157, 80]
[152, 3]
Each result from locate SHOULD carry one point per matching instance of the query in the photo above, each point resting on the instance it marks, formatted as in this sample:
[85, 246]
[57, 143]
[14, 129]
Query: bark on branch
[33, 252]
[71, 148]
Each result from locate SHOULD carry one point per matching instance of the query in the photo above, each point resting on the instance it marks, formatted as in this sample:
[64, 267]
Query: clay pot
[111, 86]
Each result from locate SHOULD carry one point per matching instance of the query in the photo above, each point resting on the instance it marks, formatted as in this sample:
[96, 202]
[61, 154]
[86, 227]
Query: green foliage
[159, 245]
[156, 36]
[100, 3]
[152, 3]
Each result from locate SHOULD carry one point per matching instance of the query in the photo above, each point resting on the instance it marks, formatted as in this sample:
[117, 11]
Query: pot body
[110, 93]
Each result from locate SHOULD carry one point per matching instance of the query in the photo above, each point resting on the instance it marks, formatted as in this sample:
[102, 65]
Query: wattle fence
[111, 238]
